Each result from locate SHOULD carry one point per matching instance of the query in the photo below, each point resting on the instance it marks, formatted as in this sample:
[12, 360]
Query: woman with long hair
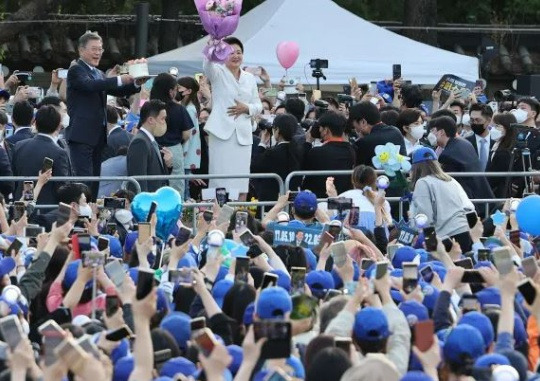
[235, 101]
[412, 126]
[179, 125]
[501, 158]
[440, 197]
[187, 96]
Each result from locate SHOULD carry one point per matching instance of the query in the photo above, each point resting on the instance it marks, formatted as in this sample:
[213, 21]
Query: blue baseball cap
[71, 275]
[284, 280]
[487, 361]
[403, 254]
[7, 264]
[489, 295]
[414, 311]
[423, 154]
[273, 302]
[463, 340]
[220, 289]
[237, 354]
[177, 365]
[482, 323]
[319, 281]
[431, 294]
[115, 246]
[178, 325]
[248, 314]
[305, 202]
[123, 368]
[131, 238]
[520, 331]
[416, 375]
[370, 324]
[121, 351]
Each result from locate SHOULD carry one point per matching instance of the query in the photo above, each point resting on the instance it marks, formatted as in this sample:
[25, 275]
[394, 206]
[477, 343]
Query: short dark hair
[88, 36]
[48, 119]
[485, 110]
[286, 125]
[234, 41]
[112, 114]
[389, 117]
[444, 123]
[411, 96]
[125, 193]
[3, 118]
[406, 117]
[72, 192]
[335, 122]
[152, 108]
[444, 112]
[23, 113]
[281, 106]
[535, 105]
[50, 100]
[365, 110]
[162, 86]
[296, 108]
[457, 103]
[369, 346]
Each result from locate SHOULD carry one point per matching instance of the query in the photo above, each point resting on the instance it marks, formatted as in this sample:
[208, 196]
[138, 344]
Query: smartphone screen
[18, 210]
[247, 239]
[47, 164]
[112, 305]
[11, 329]
[339, 253]
[14, 248]
[354, 216]
[221, 196]
[28, 191]
[326, 238]
[410, 277]
[528, 291]
[119, 334]
[447, 243]
[62, 73]
[225, 214]
[503, 260]
[469, 303]
[241, 269]
[115, 272]
[472, 218]
[278, 335]
[86, 343]
[396, 71]
[144, 231]
[269, 280]
[84, 242]
[205, 341]
[391, 250]
[183, 236]
[366, 263]
[111, 228]
[381, 270]
[197, 323]
[145, 283]
[304, 306]
[483, 254]
[208, 216]
[430, 238]
[103, 243]
[530, 266]
[298, 279]
[427, 274]
[241, 221]
[472, 276]
[292, 196]
[64, 214]
[153, 207]
[465, 263]
[423, 335]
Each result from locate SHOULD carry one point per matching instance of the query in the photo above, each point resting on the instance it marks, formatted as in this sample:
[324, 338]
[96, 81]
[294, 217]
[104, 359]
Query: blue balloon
[528, 215]
[168, 210]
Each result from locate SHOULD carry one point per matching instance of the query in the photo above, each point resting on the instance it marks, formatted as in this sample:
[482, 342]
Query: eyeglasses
[96, 50]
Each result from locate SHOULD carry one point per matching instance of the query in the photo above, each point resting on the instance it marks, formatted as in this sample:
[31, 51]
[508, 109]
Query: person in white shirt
[235, 100]
[413, 128]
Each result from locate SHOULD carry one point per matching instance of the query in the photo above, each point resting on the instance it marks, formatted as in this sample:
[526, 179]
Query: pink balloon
[287, 53]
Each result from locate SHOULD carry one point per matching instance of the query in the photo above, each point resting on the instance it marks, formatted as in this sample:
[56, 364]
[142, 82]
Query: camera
[344, 98]
[506, 95]
[318, 64]
[522, 134]
[306, 124]
[340, 203]
[264, 124]
[320, 108]
[114, 203]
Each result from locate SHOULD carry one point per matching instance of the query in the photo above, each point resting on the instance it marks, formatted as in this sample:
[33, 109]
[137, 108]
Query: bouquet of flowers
[219, 19]
[388, 158]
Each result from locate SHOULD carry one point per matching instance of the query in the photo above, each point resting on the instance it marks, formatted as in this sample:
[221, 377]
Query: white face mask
[123, 216]
[85, 210]
[417, 131]
[459, 119]
[496, 134]
[466, 120]
[65, 121]
[521, 115]
[432, 139]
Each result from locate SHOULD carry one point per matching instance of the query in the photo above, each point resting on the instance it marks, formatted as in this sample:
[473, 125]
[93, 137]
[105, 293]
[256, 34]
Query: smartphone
[391, 250]
[11, 329]
[87, 344]
[144, 231]
[326, 238]
[339, 253]
[472, 276]
[427, 274]
[430, 238]
[410, 277]
[381, 270]
[304, 306]
[298, 280]
[84, 242]
[269, 280]
[197, 323]
[34, 92]
[119, 334]
[335, 230]
[114, 203]
[278, 338]
[153, 207]
[241, 220]
[47, 164]
[183, 236]
[526, 288]
[247, 238]
[62, 73]
[64, 214]
[331, 294]
[255, 70]
[221, 196]
[111, 228]
[115, 271]
[19, 208]
[466, 263]
[503, 260]
[51, 340]
[103, 243]
[354, 216]
[483, 254]
[343, 343]
[112, 305]
[205, 341]
[241, 269]
[3, 346]
[423, 335]
[15, 246]
[28, 191]
[162, 356]
[145, 283]
[472, 219]
[317, 94]
[447, 243]
[366, 263]
[182, 277]
[50, 326]
[515, 238]
[225, 214]
[469, 302]
[208, 216]
[71, 353]
[396, 71]
[530, 266]
[292, 196]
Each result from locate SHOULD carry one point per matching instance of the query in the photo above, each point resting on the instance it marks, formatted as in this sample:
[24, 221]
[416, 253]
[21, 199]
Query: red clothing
[56, 297]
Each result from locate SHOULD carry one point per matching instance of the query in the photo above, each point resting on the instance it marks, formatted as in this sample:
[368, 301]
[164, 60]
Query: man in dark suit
[117, 137]
[22, 118]
[87, 89]
[144, 156]
[366, 120]
[481, 116]
[28, 155]
[459, 155]
[335, 154]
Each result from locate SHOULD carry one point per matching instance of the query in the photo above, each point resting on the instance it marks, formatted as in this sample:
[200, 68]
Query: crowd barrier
[77, 179]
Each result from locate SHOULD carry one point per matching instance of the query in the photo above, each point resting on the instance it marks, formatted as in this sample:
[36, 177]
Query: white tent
[353, 46]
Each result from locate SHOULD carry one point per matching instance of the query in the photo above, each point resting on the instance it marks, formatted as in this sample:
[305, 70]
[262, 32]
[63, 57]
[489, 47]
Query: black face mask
[478, 129]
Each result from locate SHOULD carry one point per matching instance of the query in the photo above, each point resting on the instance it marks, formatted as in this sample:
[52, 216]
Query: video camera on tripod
[317, 65]
[523, 135]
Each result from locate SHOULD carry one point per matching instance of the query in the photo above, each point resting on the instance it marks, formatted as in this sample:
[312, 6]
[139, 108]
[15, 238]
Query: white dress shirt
[148, 133]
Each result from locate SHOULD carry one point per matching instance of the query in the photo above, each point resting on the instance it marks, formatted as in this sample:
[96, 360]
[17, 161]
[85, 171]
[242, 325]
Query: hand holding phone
[423, 335]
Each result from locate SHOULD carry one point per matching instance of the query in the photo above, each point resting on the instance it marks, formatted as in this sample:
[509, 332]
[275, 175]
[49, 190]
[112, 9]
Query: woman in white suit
[235, 100]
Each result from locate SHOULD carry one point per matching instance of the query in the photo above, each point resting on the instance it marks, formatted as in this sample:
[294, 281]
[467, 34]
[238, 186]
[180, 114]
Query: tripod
[318, 74]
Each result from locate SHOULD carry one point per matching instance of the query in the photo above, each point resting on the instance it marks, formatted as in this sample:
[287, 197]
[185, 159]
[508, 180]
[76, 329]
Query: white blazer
[225, 90]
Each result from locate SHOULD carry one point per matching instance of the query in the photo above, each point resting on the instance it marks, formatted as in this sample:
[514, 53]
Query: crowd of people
[338, 289]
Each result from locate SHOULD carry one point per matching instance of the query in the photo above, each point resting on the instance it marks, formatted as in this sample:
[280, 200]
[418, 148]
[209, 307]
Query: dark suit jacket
[500, 161]
[142, 159]
[459, 156]
[329, 156]
[5, 171]
[116, 139]
[380, 135]
[28, 158]
[472, 140]
[87, 100]
[25, 133]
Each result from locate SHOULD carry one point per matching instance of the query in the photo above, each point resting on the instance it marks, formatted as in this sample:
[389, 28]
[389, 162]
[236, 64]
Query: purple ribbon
[217, 50]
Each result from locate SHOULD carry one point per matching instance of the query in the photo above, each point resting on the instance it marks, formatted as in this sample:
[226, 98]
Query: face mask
[521, 115]
[478, 129]
[417, 132]
[466, 120]
[496, 134]
[65, 121]
[459, 119]
[432, 139]
[85, 210]
[123, 216]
